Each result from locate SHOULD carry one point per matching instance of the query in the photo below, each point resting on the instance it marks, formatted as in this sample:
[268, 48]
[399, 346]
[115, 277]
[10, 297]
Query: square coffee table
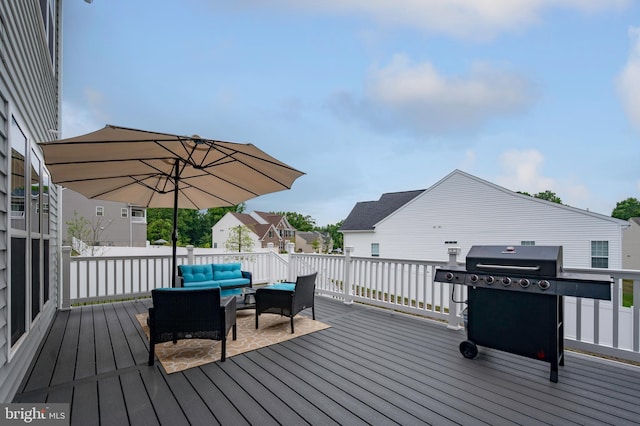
[246, 300]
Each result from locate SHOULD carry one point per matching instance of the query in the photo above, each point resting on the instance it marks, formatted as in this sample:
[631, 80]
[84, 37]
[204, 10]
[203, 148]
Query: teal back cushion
[192, 273]
[226, 271]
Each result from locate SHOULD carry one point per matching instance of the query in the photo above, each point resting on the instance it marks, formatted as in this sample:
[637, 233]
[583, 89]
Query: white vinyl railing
[408, 286]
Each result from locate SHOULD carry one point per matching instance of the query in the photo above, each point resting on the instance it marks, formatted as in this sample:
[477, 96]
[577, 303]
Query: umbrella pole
[174, 234]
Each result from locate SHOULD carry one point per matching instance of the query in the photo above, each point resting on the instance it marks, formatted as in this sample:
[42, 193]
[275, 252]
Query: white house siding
[470, 211]
[631, 245]
[220, 232]
[30, 94]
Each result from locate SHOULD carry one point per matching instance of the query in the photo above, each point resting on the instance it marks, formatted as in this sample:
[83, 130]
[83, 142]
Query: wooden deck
[371, 367]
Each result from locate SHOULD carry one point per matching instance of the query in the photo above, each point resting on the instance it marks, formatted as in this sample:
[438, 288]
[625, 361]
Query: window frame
[600, 254]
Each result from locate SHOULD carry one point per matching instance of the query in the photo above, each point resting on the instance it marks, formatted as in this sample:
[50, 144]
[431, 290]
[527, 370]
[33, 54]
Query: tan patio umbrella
[151, 169]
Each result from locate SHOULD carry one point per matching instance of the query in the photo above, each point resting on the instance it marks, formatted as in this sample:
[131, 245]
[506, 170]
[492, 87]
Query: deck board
[86, 360]
[105, 360]
[372, 366]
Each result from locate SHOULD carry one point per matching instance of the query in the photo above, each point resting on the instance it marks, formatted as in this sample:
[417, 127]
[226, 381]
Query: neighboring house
[313, 242]
[265, 228]
[115, 224]
[463, 210]
[30, 97]
[631, 245]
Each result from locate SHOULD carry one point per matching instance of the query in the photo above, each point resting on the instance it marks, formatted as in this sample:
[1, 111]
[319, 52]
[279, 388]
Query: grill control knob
[448, 276]
[490, 279]
[506, 281]
[474, 278]
[544, 284]
[524, 283]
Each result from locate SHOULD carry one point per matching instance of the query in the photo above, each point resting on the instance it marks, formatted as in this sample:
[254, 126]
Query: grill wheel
[468, 349]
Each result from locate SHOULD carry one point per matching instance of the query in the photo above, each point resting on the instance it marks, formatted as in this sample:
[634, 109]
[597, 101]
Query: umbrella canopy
[151, 169]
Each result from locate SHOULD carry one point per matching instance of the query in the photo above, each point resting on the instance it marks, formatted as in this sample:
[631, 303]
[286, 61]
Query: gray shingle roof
[366, 214]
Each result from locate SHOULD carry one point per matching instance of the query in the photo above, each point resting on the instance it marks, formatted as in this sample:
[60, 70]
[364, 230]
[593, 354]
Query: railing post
[293, 267]
[454, 319]
[346, 288]
[190, 256]
[636, 316]
[292, 270]
[66, 279]
[271, 263]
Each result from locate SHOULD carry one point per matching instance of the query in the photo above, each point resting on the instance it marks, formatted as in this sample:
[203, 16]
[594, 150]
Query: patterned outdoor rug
[194, 352]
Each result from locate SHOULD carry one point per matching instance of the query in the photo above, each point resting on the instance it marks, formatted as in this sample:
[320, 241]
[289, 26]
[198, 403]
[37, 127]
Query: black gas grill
[515, 300]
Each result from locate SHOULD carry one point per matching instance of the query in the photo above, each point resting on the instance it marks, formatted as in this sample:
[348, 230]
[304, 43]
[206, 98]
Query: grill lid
[538, 261]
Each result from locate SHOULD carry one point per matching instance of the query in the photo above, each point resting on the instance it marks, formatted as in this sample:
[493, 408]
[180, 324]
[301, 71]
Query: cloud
[523, 171]
[628, 81]
[80, 119]
[478, 19]
[418, 98]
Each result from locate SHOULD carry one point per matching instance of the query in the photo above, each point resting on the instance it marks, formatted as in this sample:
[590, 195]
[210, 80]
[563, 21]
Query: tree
[549, 196]
[544, 195]
[298, 221]
[332, 230]
[159, 229]
[194, 226]
[86, 233]
[626, 209]
[239, 239]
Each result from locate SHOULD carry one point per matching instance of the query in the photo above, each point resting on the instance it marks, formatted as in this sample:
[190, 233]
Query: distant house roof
[366, 214]
[635, 219]
[260, 229]
[311, 236]
[271, 218]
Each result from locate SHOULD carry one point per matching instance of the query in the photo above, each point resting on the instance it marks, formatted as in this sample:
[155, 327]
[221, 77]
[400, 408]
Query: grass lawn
[627, 293]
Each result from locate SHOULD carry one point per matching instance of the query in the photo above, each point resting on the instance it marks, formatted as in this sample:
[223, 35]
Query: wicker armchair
[287, 299]
[190, 314]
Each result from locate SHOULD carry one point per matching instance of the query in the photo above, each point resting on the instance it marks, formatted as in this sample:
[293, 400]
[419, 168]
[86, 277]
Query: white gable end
[469, 211]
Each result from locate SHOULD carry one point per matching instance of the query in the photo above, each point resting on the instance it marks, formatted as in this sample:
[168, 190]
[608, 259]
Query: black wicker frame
[285, 302]
[190, 314]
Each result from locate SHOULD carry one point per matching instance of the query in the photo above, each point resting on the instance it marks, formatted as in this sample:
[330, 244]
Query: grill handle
[508, 267]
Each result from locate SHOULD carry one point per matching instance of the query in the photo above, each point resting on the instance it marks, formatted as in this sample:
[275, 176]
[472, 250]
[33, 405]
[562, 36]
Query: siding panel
[29, 91]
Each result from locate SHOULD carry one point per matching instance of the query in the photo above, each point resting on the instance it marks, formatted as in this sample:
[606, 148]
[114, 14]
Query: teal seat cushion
[230, 292]
[226, 271]
[196, 273]
[282, 286]
[232, 282]
[200, 284]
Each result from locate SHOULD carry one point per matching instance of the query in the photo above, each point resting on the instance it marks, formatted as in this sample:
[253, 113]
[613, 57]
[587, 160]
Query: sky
[374, 96]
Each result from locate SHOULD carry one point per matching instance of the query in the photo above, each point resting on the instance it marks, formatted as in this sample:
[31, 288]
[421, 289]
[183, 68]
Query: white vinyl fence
[408, 286]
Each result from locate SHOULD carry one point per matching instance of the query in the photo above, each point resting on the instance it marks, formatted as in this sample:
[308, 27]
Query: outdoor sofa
[226, 276]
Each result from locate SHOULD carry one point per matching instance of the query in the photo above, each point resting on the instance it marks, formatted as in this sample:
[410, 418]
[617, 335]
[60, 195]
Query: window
[29, 231]
[99, 211]
[527, 243]
[124, 212]
[599, 254]
[47, 9]
[19, 238]
[375, 249]
[138, 215]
